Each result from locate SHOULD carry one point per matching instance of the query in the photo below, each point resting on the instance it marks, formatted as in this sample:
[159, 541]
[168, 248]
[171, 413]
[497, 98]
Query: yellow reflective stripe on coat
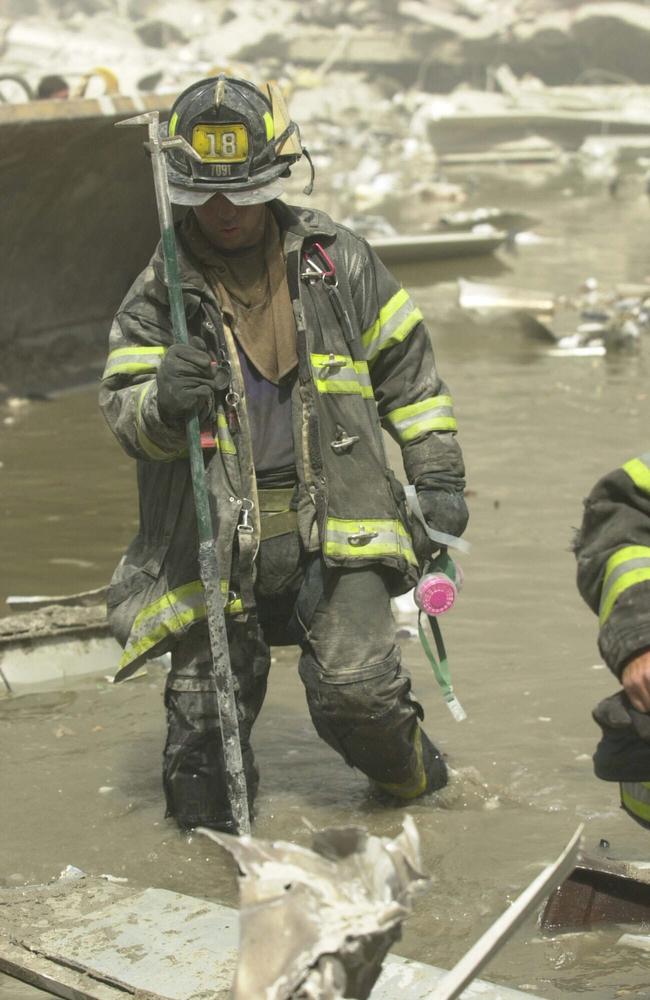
[233, 605]
[171, 614]
[410, 422]
[133, 361]
[394, 323]
[625, 568]
[635, 799]
[370, 538]
[145, 442]
[222, 438]
[340, 374]
[639, 471]
[413, 787]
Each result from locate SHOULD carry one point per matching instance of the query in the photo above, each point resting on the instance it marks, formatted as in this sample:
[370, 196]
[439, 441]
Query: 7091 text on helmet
[220, 170]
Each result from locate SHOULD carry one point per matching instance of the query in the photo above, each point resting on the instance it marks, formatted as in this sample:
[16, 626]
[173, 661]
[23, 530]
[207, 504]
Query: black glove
[623, 753]
[443, 509]
[618, 712]
[185, 382]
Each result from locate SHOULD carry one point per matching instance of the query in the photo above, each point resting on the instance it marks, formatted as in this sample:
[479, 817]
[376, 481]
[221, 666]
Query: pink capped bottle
[437, 590]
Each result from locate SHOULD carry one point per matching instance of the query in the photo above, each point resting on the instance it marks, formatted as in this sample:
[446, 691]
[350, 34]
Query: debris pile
[155, 46]
[595, 321]
[393, 153]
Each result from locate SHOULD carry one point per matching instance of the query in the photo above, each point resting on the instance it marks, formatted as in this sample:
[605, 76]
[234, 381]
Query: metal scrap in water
[316, 922]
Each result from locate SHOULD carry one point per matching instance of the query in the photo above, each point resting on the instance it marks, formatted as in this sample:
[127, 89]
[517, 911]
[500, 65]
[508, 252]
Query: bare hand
[636, 681]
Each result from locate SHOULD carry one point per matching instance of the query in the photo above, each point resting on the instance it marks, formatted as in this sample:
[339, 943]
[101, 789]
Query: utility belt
[277, 516]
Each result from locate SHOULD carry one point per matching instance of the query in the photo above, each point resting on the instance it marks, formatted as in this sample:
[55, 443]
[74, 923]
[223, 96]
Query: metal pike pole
[208, 563]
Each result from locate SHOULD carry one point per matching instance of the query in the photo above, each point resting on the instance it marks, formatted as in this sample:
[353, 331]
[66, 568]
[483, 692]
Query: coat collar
[296, 223]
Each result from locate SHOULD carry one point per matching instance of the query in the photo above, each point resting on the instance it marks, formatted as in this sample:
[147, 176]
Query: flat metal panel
[176, 946]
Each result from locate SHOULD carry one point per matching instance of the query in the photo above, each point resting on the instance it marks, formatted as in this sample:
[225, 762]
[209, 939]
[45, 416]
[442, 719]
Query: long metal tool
[453, 984]
[208, 562]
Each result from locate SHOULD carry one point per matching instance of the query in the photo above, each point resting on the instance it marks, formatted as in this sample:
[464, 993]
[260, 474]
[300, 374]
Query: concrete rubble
[434, 47]
[592, 322]
[402, 107]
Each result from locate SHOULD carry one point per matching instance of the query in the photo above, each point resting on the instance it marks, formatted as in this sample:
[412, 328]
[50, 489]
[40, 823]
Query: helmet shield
[243, 135]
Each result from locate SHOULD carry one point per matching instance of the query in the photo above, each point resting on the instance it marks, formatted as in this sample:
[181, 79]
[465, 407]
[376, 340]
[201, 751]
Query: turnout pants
[358, 695]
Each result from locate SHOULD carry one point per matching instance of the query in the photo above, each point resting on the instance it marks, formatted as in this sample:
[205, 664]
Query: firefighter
[302, 347]
[613, 553]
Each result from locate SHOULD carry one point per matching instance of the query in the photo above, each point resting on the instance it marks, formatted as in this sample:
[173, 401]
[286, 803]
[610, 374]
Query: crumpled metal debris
[318, 923]
[595, 321]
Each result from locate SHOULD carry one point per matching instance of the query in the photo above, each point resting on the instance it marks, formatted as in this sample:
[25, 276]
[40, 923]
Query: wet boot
[427, 772]
[195, 784]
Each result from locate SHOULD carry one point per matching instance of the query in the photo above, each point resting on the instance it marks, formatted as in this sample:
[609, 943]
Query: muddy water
[80, 767]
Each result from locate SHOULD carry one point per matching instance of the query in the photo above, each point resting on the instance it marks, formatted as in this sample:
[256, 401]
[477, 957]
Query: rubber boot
[428, 772]
[195, 782]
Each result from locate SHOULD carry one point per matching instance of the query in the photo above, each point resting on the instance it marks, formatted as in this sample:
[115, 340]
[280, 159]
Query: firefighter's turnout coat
[365, 362]
[613, 551]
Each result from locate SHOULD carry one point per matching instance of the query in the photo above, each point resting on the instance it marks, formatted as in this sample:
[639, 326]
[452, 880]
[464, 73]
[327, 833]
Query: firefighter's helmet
[244, 136]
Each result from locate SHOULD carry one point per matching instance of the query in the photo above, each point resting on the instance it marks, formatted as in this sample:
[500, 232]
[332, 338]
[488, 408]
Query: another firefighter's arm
[129, 393]
[413, 402]
[613, 574]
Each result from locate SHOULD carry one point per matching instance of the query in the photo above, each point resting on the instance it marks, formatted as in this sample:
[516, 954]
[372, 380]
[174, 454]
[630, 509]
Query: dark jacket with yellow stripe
[365, 361]
[613, 552]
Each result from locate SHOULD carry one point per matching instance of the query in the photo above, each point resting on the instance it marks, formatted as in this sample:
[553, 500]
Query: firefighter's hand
[443, 509]
[636, 681]
[185, 382]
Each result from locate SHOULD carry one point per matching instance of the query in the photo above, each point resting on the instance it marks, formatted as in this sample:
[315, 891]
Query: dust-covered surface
[105, 939]
[53, 621]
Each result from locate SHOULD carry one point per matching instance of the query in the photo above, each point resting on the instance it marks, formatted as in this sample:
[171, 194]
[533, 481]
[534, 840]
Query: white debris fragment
[71, 872]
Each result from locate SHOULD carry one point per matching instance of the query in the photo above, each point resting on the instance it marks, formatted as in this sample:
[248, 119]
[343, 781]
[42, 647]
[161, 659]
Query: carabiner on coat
[244, 526]
[319, 266]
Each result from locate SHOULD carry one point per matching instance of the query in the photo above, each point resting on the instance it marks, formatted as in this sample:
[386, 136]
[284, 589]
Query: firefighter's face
[228, 226]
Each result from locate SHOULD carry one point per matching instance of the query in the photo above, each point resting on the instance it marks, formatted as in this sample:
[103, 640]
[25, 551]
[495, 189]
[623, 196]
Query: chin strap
[310, 186]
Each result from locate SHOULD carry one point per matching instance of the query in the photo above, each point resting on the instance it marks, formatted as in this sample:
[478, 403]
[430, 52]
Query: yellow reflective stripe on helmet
[410, 422]
[394, 323]
[171, 615]
[369, 538]
[133, 361]
[635, 798]
[339, 373]
[268, 121]
[639, 472]
[145, 442]
[173, 122]
[625, 568]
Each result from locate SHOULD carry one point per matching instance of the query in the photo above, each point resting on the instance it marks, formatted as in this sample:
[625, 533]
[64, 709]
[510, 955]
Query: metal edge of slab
[85, 107]
[32, 969]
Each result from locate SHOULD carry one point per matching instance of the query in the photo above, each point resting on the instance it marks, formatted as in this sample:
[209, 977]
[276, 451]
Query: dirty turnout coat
[613, 553]
[365, 362]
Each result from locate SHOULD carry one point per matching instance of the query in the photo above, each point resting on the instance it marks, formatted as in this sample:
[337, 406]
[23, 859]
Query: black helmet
[244, 136]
